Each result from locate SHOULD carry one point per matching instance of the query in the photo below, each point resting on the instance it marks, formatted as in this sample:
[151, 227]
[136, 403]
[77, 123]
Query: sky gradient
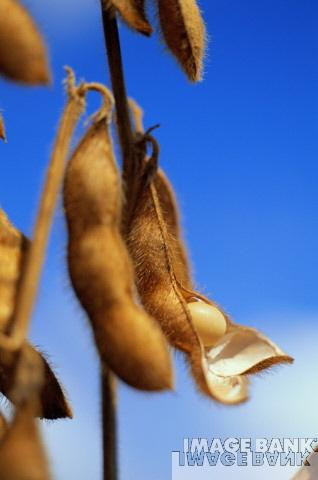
[241, 149]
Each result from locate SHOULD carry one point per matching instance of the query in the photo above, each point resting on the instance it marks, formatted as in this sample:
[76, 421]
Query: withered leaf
[23, 56]
[184, 33]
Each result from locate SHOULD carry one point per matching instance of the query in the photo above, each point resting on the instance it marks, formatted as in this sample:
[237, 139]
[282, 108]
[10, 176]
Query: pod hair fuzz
[133, 13]
[13, 248]
[23, 56]
[22, 455]
[128, 340]
[163, 281]
[184, 32]
[2, 129]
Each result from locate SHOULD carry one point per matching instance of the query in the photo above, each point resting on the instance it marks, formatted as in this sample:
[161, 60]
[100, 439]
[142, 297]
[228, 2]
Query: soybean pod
[128, 340]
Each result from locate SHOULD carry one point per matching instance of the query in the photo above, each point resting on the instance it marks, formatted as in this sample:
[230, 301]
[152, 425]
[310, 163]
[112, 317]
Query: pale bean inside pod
[208, 321]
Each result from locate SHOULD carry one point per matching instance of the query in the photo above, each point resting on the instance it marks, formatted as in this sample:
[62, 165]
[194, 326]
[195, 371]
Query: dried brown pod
[128, 340]
[34, 258]
[2, 129]
[219, 352]
[137, 115]
[184, 33]
[169, 208]
[133, 13]
[23, 56]
[13, 248]
[53, 403]
[22, 455]
[170, 212]
[3, 426]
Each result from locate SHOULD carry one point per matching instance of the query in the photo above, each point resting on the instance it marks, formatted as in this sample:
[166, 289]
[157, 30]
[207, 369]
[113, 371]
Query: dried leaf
[22, 455]
[2, 129]
[184, 32]
[23, 56]
[128, 340]
[13, 247]
[219, 370]
[133, 13]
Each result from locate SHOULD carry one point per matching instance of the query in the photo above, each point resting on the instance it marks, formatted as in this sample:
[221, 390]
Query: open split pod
[128, 340]
[221, 354]
[13, 248]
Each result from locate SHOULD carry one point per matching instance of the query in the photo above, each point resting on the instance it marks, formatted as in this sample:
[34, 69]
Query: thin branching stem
[125, 133]
[115, 64]
[133, 153]
[108, 391]
[35, 257]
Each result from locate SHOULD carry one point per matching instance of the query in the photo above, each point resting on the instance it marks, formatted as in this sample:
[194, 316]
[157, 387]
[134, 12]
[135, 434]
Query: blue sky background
[241, 149]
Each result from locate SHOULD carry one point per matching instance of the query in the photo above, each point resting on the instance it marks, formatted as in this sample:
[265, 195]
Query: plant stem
[112, 43]
[35, 255]
[108, 388]
[132, 153]
[133, 160]
[115, 64]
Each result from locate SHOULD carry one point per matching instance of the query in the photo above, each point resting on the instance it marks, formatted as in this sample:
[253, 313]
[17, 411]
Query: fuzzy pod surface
[151, 246]
[133, 13]
[128, 340]
[53, 403]
[170, 212]
[3, 426]
[13, 249]
[22, 455]
[2, 129]
[184, 32]
[162, 274]
[23, 56]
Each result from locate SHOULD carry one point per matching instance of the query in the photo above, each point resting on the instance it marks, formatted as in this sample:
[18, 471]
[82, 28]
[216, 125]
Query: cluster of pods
[132, 276]
[126, 257]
